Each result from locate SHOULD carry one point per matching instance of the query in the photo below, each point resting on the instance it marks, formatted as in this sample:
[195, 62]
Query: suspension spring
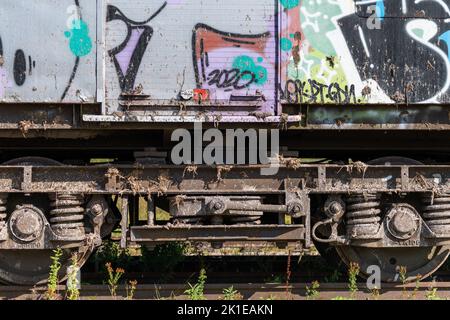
[363, 215]
[437, 213]
[3, 213]
[67, 215]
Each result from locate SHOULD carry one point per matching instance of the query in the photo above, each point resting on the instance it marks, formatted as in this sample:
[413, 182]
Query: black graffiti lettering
[295, 91]
[127, 74]
[20, 68]
[413, 59]
[316, 91]
[203, 41]
[224, 79]
[77, 61]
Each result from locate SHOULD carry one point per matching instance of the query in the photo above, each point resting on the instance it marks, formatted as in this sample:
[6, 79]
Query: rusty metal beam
[247, 180]
[275, 233]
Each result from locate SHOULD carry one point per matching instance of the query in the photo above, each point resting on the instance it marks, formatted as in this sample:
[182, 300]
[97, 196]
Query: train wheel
[421, 261]
[418, 261]
[32, 266]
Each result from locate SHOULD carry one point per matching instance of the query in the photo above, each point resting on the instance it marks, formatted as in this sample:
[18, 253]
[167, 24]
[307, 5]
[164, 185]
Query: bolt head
[97, 209]
[218, 205]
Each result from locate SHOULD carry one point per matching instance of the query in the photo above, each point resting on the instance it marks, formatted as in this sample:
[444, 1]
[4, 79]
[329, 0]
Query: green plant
[113, 278]
[131, 289]
[416, 287]
[53, 280]
[312, 292]
[196, 291]
[353, 273]
[334, 277]
[72, 280]
[288, 276]
[431, 293]
[275, 278]
[163, 258]
[270, 298]
[111, 252]
[340, 298]
[402, 274]
[375, 293]
[231, 294]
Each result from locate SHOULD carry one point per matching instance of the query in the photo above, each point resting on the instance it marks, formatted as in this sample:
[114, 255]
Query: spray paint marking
[80, 42]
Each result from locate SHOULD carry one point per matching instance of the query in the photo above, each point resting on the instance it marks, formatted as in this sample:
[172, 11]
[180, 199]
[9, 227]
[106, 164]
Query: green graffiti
[80, 42]
[289, 4]
[320, 14]
[247, 65]
[285, 44]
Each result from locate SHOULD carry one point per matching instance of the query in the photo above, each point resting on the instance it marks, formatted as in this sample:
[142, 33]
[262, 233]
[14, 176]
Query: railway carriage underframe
[389, 216]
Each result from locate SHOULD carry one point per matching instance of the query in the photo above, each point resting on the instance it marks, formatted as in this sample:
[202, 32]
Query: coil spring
[3, 213]
[67, 212]
[363, 215]
[437, 213]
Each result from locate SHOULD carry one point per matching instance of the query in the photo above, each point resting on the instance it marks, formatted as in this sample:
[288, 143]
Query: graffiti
[196, 57]
[80, 42]
[244, 73]
[241, 72]
[128, 55]
[396, 58]
[231, 78]
[20, 67]
[313, 92]
[412, 73]
[227, 52]
[40, 59]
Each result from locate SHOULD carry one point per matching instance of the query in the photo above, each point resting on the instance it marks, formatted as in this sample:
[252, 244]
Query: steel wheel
[418, 261]
[31, 267]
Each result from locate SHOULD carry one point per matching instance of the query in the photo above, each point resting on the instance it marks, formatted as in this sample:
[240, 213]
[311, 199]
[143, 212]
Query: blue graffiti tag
[446, 38]
[380, 11]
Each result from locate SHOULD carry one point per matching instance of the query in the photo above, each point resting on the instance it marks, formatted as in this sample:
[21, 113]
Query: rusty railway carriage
[364, 86]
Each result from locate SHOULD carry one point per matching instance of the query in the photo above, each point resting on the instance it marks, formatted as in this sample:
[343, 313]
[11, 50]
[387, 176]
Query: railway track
[296, 291]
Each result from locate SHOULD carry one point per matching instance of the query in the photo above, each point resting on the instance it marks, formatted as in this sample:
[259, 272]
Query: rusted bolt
[334, 207]
[295, 209]
[217, 206]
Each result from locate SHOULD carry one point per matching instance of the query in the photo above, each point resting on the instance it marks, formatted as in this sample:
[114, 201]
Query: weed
[288, 276]
[353, 273]
[111, 252]
[275, 278]
[375, 293]
[231, 294]
[72, 280]
[334, 277]
[402, 274]
[53, 280]
[113, 278]
[312, 292]
[416, 287]
[431, 293]
[131, 289]
[163, 258]
[340, 298]
[196, 291]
